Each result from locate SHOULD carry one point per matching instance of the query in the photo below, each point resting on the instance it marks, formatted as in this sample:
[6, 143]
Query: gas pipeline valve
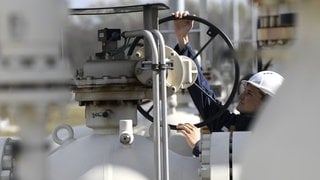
[181, 70]
[110, 75]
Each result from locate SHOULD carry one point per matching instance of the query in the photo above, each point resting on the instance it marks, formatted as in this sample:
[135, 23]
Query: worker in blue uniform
[256, 89]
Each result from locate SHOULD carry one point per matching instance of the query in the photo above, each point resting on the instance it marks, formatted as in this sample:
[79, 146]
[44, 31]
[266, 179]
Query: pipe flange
[204, 170]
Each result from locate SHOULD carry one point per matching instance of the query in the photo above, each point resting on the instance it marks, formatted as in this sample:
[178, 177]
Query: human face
[250, 99]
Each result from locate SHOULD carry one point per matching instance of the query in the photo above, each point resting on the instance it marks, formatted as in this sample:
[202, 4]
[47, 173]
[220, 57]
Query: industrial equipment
[119, 79]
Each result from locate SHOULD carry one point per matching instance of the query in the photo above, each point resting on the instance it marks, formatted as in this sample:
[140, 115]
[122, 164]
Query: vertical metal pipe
[204, 37]
[150, 19]
[156, 96]
[163, 100]
[156, 119]
[254, 25]
[236, 37]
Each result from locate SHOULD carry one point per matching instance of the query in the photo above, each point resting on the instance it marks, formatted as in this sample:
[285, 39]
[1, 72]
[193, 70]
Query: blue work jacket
[208, 109]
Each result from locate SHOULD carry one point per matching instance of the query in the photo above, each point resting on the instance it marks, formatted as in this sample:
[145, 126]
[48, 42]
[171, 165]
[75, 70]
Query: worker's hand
[182, 27]
[191, 133]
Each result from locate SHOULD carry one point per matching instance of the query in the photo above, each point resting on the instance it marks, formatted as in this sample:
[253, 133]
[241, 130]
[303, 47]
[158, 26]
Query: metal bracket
[148, 65]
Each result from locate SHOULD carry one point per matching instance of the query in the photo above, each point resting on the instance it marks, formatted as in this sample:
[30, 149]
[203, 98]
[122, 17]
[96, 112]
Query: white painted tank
[177, 141]
[99, 156]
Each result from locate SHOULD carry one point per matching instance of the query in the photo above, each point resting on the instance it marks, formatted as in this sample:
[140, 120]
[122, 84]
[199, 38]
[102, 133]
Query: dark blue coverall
[207, 108]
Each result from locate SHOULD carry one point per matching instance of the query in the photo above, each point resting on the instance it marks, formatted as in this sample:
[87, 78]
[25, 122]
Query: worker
[255, 90]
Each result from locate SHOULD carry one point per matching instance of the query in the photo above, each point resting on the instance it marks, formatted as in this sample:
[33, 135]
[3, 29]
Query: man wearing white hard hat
[259, 86]
[264, 82]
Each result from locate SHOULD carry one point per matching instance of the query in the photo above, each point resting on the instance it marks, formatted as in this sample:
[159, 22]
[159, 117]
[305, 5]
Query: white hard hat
[267, 81]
